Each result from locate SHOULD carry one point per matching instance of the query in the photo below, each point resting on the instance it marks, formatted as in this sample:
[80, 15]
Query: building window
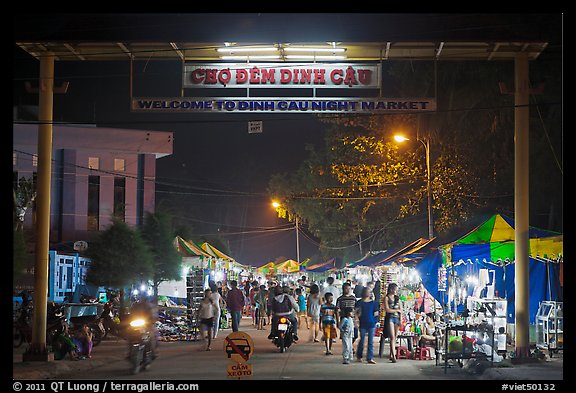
[93, 202]
[34, 159]
[119, 165]
[119, 197]
[93, 163]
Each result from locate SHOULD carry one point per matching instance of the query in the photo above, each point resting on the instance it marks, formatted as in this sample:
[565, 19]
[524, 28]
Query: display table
[411, 341]
[464, 354]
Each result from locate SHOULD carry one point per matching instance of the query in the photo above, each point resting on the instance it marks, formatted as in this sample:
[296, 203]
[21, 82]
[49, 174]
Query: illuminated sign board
[283, 105]
[281, 75]
[316, 77]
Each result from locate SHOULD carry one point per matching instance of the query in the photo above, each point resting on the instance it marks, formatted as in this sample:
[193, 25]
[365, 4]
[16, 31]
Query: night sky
[214, 153]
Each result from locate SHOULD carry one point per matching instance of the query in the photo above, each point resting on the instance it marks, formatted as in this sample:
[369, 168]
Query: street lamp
[276, 205]
[400, 139]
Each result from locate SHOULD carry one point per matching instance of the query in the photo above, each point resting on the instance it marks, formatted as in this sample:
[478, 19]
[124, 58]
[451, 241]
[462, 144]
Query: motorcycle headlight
[137, 323]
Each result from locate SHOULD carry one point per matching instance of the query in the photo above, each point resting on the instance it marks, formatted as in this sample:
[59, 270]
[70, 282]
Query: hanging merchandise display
[392, 274]
[442, 279]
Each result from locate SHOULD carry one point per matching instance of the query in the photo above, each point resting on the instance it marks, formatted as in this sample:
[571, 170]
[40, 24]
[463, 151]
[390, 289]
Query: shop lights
[232, 49]
[313, 57]
[248, 57]
[307, 49]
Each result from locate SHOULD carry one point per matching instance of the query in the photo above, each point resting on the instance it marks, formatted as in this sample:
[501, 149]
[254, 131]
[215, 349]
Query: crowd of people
[350, 313]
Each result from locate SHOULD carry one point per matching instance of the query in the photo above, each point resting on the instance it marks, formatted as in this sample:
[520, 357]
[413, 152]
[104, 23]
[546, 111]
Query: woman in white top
[218, 305]
[206, 316]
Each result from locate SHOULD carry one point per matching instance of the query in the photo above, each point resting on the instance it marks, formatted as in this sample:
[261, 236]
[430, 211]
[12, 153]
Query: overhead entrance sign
[281, 75]
[283, 105]
[351, 86]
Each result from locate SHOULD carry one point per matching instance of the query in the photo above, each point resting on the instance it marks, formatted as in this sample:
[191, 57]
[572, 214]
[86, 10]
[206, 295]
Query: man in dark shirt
[358, 290]
[235, 304]
[345, 306]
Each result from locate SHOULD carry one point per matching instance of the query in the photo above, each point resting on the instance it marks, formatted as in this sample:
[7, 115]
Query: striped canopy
[288, 266]
[213, 251]
[266, 269]
[494, 240]
[189, 249]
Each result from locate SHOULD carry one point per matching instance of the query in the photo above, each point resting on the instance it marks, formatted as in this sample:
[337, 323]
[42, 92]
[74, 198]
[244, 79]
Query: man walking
[345, 306]
[235, 304]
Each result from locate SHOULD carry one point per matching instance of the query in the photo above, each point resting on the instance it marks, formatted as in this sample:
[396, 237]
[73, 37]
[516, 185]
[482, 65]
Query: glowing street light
[276, 205]
[400, 139]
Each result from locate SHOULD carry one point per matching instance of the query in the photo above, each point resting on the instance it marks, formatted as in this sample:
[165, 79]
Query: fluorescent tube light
[308, 49]
[312, 57]
[248, 57]
[232, 49]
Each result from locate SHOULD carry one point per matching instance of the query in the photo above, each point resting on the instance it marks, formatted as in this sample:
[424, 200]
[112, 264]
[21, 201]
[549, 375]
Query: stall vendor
[428, 332]
[424, 302]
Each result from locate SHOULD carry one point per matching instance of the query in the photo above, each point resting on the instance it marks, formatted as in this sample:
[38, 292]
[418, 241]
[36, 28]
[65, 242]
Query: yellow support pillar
[38, 350]
[521, 206]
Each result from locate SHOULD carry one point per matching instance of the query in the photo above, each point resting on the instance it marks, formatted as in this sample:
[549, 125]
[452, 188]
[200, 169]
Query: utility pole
[297, 242]
[521, 93]
[37, 351]
[521, 205]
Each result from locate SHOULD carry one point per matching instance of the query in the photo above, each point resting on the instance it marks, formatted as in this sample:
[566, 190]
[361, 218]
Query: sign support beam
[38, 350]
[521, 205]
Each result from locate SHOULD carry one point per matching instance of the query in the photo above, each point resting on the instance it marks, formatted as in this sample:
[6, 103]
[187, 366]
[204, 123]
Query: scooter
[22, 327]
[284, 336]
[139, 337]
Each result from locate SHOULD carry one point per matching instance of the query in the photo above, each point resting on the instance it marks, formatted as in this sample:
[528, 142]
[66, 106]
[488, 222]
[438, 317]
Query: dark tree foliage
[120, 257]
[167, 262]
[362, 192]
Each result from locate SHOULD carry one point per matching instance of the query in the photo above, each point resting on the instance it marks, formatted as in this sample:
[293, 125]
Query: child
[63, 345]
[206, 316]
[301, 299]
[328, 321]
[313, 308]
[83, 342]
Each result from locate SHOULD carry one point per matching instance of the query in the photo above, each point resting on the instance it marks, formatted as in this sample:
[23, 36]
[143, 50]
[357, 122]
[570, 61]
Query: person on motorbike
[144, 309]
[283, 305]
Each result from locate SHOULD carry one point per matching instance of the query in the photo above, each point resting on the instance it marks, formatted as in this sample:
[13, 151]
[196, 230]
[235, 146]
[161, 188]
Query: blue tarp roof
[544, 280]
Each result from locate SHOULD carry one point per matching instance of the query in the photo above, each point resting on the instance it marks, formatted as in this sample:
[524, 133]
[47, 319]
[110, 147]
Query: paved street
[186, 361]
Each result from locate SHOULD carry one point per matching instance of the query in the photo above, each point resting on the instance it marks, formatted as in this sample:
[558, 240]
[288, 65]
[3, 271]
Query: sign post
[239, 346]
[255, 127]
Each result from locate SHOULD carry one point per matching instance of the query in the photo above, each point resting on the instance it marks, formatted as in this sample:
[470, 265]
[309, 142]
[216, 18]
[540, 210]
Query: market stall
[319, 271]
[474, 277]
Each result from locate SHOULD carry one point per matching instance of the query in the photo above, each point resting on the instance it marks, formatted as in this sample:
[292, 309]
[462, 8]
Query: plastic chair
[403, 353]
[423, 353]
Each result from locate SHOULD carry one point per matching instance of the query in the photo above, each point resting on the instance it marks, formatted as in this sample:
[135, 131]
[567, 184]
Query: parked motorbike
[98, 331]
[284, 333]
[110, 322]
[139, 337]
[22, 328]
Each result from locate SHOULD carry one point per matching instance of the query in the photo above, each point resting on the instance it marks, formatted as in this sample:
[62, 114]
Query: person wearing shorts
[328, 321]
[313, 312]
[206, 313]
